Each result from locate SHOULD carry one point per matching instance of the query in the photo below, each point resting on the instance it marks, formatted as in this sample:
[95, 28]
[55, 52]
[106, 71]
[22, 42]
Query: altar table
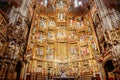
[64, 78]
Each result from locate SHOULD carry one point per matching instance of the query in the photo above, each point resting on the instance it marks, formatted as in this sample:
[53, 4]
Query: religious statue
[60, 5]
[78, 24]
[50, 50]
[16, 52]
[39, 51]
[10, 50]
[42, 22]
[90, 37]
[94, 46]
[17, 29]
[61, 16]
[40, 36]
[61, 33]
[84, 50]
[34, 29]
[73, 49]
[72, 35]
[51, 35]
[12, 44]
[52, 23]
[63, 74]
[81, 24]
[70, 22]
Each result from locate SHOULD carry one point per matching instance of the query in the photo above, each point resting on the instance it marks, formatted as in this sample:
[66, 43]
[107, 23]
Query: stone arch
[18, 69]
[108, 67]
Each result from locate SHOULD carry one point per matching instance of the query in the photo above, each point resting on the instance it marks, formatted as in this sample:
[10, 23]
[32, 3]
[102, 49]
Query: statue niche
[17, 29]
[61, 33]
[17, 50]
[51, 35]
[39, 51]
[73, 49]
[52, 23]
[79, 22]
[42, 22]
[83, 37]
[11, 49]
[61, 17]
[84, 50]
[70, 22]
[61, 5]
[50, 52]
[40, 36]
[72, 35]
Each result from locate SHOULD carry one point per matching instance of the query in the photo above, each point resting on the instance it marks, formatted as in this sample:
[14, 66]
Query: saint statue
[61, 16]
[63, 74]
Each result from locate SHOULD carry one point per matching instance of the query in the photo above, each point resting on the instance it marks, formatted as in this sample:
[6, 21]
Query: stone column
[22, 72]
[25, 71]
[104, 14]
[102, 72]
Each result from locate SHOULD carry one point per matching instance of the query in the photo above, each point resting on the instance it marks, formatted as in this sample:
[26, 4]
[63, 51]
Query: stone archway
[18, 70]
[108, 67]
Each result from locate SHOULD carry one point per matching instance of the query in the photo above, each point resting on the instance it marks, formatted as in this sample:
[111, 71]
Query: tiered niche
[62, 41]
